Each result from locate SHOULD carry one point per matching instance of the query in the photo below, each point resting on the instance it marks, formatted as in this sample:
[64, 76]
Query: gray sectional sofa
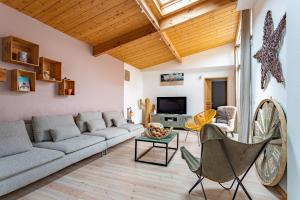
[50, 143]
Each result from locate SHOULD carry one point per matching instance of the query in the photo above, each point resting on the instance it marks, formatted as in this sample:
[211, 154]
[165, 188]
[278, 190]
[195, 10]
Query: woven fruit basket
[157, 131]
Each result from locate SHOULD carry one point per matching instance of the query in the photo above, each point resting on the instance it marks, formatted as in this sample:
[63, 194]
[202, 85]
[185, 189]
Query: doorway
[215, 92]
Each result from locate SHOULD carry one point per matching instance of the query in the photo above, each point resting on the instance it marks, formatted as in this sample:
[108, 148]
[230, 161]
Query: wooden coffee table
[165, 142]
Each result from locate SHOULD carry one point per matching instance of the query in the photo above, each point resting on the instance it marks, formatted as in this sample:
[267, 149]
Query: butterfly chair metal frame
[196, 123]
[198, 171]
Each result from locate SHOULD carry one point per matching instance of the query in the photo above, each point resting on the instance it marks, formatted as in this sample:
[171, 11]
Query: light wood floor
[117, 176]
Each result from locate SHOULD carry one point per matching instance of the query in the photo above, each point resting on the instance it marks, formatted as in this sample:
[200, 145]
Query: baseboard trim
[281, 192]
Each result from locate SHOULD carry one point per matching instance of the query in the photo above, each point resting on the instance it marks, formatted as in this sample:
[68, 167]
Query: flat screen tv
[171, 105]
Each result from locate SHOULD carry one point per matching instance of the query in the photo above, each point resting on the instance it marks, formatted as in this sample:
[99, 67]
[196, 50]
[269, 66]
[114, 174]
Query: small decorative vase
[22, 56]
[68, 91]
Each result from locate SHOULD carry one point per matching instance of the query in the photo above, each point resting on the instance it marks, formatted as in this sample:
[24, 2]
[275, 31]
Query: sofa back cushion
[222, 116]
[64, 132]
[119, 121]
[42, 125]
[109, 116]
[96, 125]
[13, 138]
[84, 117]
[29, 131]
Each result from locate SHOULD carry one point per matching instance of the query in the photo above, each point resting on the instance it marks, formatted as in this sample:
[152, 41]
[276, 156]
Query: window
[167, 7]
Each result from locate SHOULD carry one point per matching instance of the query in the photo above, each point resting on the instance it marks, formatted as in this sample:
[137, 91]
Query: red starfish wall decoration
[268, 54]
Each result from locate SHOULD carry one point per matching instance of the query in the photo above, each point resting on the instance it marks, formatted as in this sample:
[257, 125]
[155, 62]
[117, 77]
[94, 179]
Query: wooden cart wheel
[271, 164]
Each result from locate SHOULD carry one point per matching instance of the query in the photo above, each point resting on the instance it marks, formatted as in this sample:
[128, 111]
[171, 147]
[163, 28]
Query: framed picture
[171, 79]
[23, 84]
[127, 75]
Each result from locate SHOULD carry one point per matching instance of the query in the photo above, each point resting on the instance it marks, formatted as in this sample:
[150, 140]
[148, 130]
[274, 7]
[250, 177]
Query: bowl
[157, 131]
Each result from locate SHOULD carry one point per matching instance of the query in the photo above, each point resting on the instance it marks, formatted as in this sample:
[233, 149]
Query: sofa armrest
[231, 124]
[213, 120]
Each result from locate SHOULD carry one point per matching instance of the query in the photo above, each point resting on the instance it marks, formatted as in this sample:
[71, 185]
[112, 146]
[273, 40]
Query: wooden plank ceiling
[136, 31]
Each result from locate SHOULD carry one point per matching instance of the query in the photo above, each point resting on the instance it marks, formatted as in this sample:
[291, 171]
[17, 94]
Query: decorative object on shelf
[130, 114]
[23, 56]
[268, 54]
[23, 84]
[146, 107]
[19, 51]
[46, 75]
[22, 80]
[171, 79]
[2, 75]
[153, 109]
[68, 91]
[156, 130]
[127, 75]
[49, 70]
[66, 87]
[269, 118]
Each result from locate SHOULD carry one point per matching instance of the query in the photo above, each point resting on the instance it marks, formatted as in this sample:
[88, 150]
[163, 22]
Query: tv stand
[171, 120]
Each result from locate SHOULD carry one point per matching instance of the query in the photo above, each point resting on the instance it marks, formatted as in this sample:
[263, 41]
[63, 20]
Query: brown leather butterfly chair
[222, 159]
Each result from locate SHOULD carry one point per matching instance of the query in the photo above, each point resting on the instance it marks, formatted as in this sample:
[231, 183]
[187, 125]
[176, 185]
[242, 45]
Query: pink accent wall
[99, 81]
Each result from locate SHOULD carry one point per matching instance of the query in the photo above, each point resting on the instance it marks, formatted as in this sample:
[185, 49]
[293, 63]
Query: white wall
[275, 90]
[293, 98]
[217, 57]
[133, 91]
[213, 63]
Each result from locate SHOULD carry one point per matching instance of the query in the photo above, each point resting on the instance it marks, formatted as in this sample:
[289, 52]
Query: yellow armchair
[196, 123]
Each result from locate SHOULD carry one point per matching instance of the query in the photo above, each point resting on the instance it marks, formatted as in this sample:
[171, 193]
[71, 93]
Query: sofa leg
[106, 151]
[232, 134]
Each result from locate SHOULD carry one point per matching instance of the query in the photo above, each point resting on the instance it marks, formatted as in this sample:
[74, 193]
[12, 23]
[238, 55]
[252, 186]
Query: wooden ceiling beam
[126, 38]
[195, 12]
[145, 8]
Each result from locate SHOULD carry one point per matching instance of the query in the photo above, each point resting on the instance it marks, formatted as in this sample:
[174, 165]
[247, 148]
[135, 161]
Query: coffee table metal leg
[167, 150]
[135, 151]
[177, 141]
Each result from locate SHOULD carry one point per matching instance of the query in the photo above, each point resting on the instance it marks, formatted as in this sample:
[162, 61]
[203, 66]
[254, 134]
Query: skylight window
[168, 7]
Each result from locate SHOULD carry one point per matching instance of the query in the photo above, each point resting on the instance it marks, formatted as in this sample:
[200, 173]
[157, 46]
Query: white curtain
[244, 105]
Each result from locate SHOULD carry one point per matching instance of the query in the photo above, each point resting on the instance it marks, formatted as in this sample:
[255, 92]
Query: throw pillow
[96, 125]
[119, 121]
[222, 116]
[64, 132]
[13, 138]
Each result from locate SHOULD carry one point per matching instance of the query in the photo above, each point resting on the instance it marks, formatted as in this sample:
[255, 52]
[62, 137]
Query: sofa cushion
[131, 127]
[71, 145]
[13, 138]
[108, 116]
[222, 116]
[15, 164]
[64, 132]
[222, 126]
[42, 125]
[108, 133]
[95, 125]
[83, 117]
[119, 121]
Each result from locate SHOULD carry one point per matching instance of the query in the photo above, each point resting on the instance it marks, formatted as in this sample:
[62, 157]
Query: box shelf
[66, 85]
[13, 46]
[16, 76]
[2, 75]
[48, 70]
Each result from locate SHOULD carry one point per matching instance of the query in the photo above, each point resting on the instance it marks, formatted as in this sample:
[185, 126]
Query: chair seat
[108, 133]
[223, 127]
[18, 163]
[131, 127]
[191, 161]
[71, 145]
